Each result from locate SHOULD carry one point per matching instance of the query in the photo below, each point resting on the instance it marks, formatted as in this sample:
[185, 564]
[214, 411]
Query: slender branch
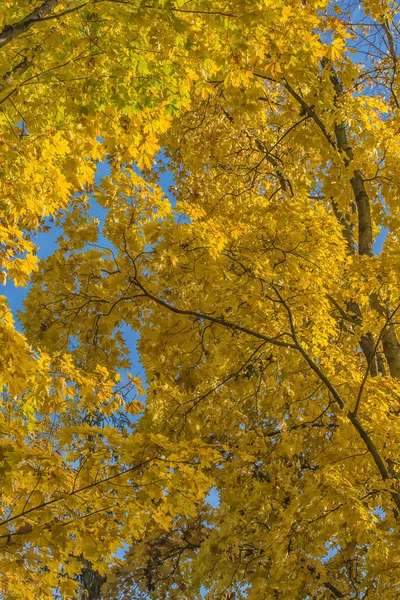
[307, 116]
[310, 112]
[210, 318]
[370, 445]
[64, 12]
[377, 458]
[74, 492]
[343, 314]
[272, 161]
[199, 399]
[317, 370]
[193, 12]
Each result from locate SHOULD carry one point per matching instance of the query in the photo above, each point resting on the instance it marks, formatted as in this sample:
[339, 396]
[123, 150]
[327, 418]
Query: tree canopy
[263, 289]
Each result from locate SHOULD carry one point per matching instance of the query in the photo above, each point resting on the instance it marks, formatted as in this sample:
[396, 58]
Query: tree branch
[74, 492]
[361, 197]
[364, 380]
[377, 458]
[211, 319]
[10, 32]
[337, 593]
[309, 111]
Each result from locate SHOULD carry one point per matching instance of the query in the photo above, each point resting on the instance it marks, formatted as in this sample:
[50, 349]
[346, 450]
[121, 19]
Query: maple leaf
[267, 322]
